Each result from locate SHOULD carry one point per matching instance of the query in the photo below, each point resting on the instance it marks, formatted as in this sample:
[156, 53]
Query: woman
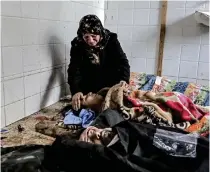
[97, 60]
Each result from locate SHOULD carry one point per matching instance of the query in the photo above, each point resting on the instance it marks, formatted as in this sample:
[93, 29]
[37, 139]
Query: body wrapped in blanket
[170, 109]
[137, 148]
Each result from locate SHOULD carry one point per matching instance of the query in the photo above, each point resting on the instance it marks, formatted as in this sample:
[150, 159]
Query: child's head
[95, 101]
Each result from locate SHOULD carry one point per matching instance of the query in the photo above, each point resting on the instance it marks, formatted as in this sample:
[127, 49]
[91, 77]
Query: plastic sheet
[176, 144]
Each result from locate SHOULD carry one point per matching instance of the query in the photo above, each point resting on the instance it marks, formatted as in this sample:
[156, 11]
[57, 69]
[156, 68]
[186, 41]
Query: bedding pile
[153, 125]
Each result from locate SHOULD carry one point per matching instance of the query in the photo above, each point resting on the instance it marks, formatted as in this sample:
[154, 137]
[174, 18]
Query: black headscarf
[92, 24]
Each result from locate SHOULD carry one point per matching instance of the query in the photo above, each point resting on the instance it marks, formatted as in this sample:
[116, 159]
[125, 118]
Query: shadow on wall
[56, 73]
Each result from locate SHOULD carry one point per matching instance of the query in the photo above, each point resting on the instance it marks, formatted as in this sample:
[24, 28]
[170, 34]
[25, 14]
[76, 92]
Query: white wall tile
[32, 84]
[30, 9]
[203, 70]
[188, 69]
[59, 92]
[46, 55]
[3, 119]
[59, 77]
[193, 80]
[32, 104]
[112, 5]
[191, 35]
[151, 66]
[47, 79]
[204, 53]
[152, 49]
[2, 94]
[12, 30]
[66, 73]
[140, 33]
[59, 54]
[13, 90]
[141, 4]
[67, 50]
[46, 29]
[125, 17]
[58, 35]
[177, 19]
[112, 28]
[31, 58]
[153, 33]
[68, 92]
[12, 60]
[176, 4]
[190, 52]
[203, 82]
[189, 19]
[99, 4]
[155, 4]
[173, 34]
[10, 8]
[126, 46]
[30, 28]
[70, 31]
[111, 17]
[139, 50]
[47, 98]
[126, 4]
[170, 67]
[193, 4]
[125, 33]
[141, 17]
[50, 9]
[68, 11]
[138, 65]
[99, 13]
[154, 17]
[51, 32]
[204, 35]
[172, 51]
[81, 11]
[14, 112]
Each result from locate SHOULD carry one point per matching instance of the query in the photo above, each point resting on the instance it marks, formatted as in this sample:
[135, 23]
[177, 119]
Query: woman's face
[91, 39]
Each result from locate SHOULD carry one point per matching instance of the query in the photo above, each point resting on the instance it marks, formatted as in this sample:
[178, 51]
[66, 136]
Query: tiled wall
[35, 52]
[186, 52]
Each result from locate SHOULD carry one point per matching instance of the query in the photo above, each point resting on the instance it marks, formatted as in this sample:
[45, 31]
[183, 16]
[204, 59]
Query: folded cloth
[86, 116]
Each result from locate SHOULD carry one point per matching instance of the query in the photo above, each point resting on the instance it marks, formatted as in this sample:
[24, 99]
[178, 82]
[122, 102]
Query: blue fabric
[180, 87]
[150, 83]
[206, 102]
[85, 118]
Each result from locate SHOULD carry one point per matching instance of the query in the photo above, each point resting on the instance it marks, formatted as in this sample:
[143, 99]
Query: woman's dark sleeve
[74, 70]
[122, 61]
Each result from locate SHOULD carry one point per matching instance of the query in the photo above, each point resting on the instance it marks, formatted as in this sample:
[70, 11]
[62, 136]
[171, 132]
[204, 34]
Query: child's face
[92, 101]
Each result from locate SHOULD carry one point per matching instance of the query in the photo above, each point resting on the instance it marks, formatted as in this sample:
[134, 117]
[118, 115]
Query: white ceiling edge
[202, 17]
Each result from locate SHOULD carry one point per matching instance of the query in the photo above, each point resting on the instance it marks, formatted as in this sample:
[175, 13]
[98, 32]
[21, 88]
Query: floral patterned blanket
[171, 109]
[197, 93]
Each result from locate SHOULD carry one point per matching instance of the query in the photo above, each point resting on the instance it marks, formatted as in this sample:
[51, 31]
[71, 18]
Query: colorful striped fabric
[197, 93]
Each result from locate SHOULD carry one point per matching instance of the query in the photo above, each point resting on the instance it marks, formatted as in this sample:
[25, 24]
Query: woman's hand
[76, 100]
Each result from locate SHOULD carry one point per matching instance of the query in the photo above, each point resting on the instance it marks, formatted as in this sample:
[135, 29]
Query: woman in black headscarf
[97, 60]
